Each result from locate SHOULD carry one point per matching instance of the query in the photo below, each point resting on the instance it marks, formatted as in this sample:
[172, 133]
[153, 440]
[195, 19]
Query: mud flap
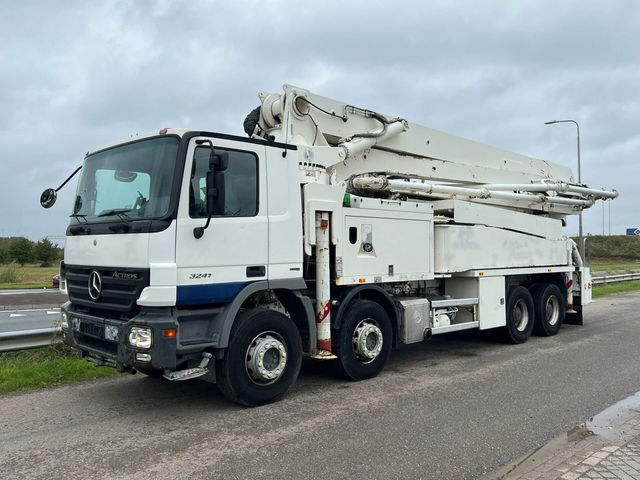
[574, 318]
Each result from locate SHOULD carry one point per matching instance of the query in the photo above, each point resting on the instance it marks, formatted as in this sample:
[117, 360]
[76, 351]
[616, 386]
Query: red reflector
[324, 223]
[569, 283]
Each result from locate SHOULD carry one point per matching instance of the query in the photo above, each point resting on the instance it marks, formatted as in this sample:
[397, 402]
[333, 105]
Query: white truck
[332, 231]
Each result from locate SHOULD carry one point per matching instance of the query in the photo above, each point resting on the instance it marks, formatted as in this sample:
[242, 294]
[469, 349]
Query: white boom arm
[351, 144]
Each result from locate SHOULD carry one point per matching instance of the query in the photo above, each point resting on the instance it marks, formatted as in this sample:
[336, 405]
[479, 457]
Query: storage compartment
[415, 319]
[379, 246]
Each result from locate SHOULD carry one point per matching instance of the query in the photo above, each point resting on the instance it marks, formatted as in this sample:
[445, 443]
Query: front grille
[121, 287]
[91, 329]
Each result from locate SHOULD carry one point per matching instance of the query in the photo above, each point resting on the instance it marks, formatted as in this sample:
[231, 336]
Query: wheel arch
[530, 281]
[367, 292]
[297, 305]
[301, 313]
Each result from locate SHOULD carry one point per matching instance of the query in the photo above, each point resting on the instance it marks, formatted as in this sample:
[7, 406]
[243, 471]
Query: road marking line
[16, 315]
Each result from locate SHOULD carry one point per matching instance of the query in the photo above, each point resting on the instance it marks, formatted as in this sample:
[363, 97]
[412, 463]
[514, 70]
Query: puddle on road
[608, 423]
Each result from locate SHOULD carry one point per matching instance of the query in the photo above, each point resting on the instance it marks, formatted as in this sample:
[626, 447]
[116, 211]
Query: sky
[77, 75]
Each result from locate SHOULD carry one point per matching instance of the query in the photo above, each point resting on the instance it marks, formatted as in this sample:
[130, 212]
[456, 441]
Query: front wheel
[363, 343]
[263, 359]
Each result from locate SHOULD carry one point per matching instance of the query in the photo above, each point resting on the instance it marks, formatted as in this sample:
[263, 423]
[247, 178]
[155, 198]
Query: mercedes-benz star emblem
[95, 285]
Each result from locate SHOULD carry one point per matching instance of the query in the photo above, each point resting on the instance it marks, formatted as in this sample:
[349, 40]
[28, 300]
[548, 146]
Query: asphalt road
[454, 408]
[31, 297]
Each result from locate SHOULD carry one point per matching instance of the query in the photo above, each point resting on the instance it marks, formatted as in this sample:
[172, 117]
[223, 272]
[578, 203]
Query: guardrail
[623, 277]
[23, 339]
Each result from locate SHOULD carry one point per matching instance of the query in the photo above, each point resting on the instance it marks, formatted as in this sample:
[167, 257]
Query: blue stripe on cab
[209, 293]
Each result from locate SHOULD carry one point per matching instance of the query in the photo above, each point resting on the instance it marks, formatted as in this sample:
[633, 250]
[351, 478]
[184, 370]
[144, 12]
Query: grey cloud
[78, 75]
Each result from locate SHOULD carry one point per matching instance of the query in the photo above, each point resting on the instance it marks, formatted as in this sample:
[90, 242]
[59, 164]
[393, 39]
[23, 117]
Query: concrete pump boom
[350, 144]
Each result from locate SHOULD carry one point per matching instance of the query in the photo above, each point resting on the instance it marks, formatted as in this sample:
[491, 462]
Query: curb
[588, 444]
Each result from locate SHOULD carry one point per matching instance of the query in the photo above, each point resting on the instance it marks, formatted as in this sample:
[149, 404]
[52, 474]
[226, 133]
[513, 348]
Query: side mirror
[218, 163]
[48, 198]
[215, 193]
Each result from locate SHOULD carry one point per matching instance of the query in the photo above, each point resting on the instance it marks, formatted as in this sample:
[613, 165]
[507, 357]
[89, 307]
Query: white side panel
[586, 292]
[459, 248]
[162, 258]
[491, 309]
[285, 215]
[490, 293]
[477, 214]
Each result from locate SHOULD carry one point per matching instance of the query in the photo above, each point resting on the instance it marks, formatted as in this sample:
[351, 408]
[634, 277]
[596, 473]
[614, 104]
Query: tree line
[22, 250]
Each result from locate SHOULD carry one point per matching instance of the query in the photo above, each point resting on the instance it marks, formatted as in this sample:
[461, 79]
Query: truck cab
[149, 291]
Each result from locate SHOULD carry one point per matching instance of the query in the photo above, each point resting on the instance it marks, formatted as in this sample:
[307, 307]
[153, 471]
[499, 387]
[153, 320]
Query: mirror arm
[69, 178]
[198, 232]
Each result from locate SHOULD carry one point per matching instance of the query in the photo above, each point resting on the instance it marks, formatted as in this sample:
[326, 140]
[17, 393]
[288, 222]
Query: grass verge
[26, 276]
[45, 367]
[619, 287]
[611, 266]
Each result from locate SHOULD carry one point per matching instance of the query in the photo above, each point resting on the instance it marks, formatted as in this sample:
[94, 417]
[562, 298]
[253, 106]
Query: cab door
[233, 251]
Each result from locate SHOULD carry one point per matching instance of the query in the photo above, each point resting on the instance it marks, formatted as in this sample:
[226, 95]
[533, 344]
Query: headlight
[140, 337]
[64, 321]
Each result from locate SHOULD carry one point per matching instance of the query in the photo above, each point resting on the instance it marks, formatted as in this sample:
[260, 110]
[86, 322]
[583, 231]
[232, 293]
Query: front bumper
[107, 338]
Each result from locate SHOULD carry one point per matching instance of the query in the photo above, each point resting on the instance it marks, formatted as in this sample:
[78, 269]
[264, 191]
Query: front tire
[263, 359]
[363, 343]
[520, 315]
[550, 308]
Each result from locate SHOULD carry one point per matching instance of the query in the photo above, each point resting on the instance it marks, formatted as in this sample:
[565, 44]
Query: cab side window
[240, 181]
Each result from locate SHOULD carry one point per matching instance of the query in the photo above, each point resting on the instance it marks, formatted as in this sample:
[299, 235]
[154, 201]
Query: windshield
[130, 182]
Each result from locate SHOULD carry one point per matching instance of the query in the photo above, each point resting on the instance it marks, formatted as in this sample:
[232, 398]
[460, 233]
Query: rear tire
[520, 315]
[550, 307]
[363, 343]
[263, 359]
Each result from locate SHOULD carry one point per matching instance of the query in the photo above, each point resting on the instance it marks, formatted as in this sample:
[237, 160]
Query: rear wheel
[520, 315]
[363, 343]
[550, 307]
[263, 359]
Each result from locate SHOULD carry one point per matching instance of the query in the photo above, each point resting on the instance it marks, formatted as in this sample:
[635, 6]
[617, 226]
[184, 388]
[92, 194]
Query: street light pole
[580, 242]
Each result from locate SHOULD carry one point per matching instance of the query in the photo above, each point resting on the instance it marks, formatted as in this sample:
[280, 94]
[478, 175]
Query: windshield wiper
[121, 212]
[79, 216]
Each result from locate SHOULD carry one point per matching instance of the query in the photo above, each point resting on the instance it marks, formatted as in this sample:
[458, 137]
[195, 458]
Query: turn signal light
[169, 333]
